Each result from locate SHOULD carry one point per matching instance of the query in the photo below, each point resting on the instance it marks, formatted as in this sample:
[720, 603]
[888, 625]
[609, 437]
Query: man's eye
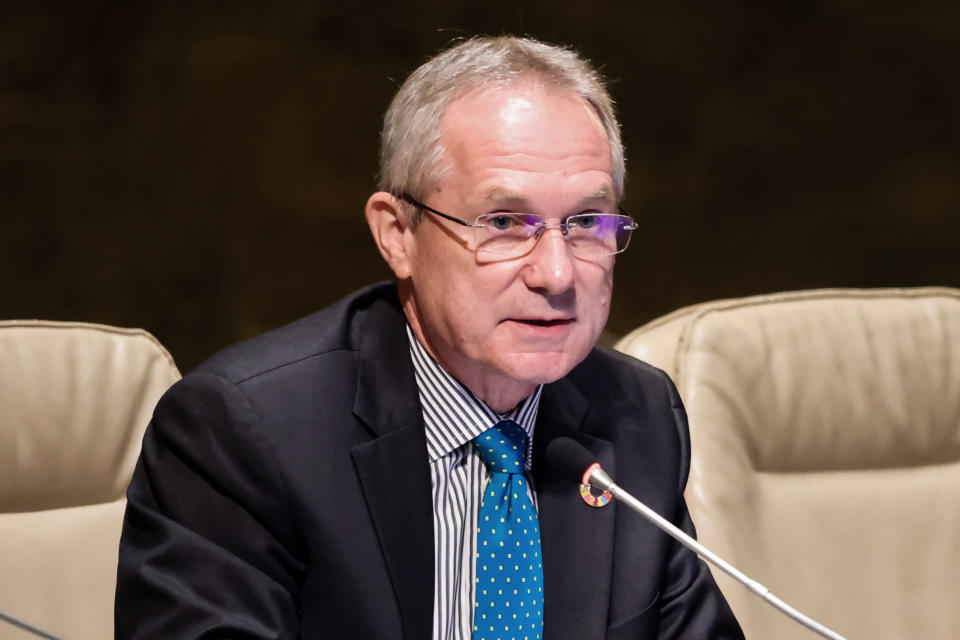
[586, 221]
[503, 222]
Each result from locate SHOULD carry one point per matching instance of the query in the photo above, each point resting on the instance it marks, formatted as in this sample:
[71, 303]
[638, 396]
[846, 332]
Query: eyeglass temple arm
[406, 197]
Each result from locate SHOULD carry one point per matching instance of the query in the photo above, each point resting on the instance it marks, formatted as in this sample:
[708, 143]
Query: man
[332, 478]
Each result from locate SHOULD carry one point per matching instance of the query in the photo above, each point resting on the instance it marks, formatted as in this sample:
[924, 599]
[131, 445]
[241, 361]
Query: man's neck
[500, 395]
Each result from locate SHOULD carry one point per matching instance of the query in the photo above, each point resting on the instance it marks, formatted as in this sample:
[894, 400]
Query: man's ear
[388, 224]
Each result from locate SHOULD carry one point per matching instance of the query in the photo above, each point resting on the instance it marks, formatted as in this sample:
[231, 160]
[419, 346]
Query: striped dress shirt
[453, 418]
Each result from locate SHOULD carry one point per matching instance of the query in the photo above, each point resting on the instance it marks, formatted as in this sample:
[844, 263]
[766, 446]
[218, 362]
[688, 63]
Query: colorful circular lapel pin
[586, 491]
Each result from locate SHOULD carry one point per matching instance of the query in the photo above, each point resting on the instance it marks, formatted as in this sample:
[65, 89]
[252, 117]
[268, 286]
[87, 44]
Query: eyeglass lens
[588, 235]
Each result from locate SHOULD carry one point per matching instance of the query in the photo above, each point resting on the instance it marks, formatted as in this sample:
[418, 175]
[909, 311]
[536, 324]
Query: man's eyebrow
[601, 193]
[500, 195]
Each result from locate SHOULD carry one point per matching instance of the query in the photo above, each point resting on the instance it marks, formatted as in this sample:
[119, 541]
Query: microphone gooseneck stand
[26, 626]
[569, 455]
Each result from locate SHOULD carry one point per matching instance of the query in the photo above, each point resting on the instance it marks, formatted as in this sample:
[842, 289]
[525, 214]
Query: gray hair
[411, 154]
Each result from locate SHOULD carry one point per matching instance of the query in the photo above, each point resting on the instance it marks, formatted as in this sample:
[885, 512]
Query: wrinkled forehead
[513, 97]
[526, 118]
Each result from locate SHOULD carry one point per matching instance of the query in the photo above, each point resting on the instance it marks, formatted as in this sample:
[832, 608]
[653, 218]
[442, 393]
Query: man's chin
[541, 367]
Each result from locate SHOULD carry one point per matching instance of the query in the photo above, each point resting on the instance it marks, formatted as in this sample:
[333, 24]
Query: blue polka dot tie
[509, 580]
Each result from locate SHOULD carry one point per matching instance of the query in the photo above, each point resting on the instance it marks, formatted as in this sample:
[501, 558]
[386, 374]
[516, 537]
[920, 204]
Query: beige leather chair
[825, 428]
[74, 401]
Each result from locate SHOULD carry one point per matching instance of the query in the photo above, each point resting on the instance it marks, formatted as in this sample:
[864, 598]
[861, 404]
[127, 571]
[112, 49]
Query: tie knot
[503, 447]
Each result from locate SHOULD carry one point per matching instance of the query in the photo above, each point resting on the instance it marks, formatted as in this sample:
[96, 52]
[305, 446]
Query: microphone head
[569, 457]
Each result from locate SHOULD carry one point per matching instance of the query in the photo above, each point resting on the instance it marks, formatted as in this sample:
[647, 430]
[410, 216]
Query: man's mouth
[541, 322]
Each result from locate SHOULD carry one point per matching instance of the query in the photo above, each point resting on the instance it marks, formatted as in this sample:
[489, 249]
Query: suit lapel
[577, 539]
[393, 467]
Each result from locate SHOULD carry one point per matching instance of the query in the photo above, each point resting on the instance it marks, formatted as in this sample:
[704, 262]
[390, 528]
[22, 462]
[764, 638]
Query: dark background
[200, 169]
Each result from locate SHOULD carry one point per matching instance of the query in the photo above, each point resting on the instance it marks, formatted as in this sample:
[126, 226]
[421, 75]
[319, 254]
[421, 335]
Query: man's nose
[550, 264]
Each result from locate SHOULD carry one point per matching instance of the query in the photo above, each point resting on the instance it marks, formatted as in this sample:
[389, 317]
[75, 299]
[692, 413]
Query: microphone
[573, 460]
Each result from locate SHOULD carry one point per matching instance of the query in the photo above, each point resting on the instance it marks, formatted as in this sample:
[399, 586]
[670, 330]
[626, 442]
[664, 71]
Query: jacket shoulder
[609, 375]
[332, 329]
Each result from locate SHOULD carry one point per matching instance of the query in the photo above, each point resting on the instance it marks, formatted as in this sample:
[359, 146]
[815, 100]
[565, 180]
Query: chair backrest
[825, 429]
[74, 401]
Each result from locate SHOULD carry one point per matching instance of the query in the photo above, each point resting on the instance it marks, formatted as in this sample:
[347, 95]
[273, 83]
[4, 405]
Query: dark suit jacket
[283, 491]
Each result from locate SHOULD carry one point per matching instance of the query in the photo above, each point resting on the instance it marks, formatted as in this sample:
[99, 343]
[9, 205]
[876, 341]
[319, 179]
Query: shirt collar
[453, 415]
